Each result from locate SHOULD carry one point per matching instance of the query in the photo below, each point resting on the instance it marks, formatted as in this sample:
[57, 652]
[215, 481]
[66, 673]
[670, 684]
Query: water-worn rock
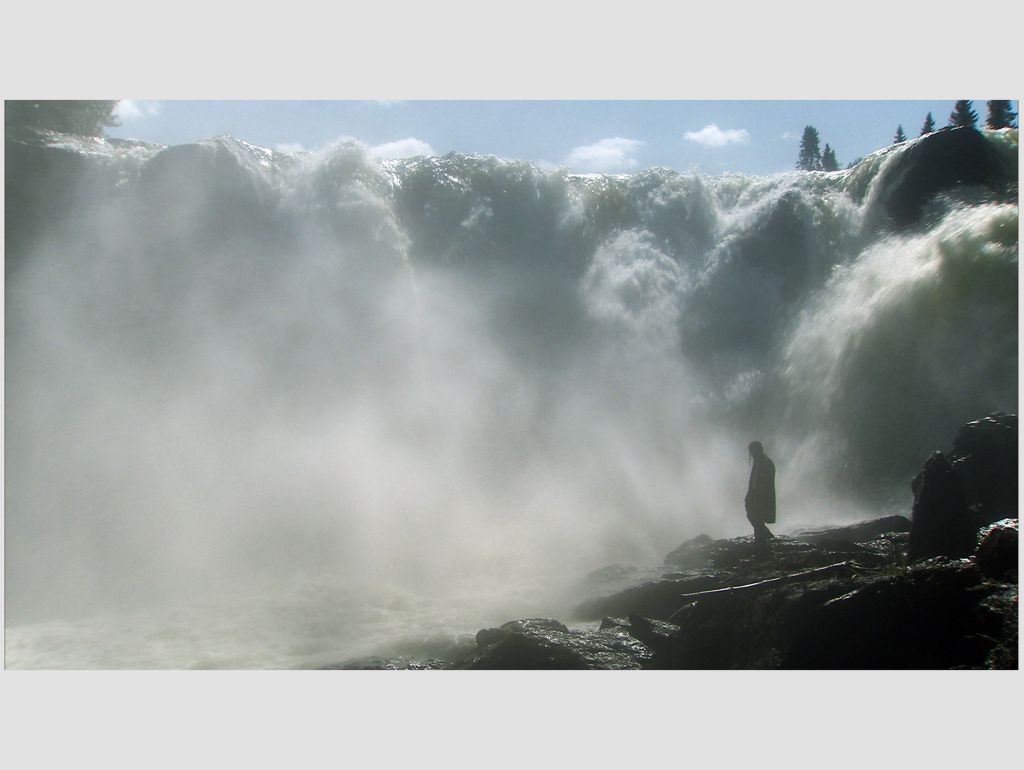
[974, 486]
[655, 634]
[929, 616]
[862, 532]
[656, 599]
[875, 543]
[940, 161]
[488, 636]
[747, 629]
[797, 607]
[548, 644]
[997, 553]
[984, 457]
[941, 525]
[1004, 605]
[691, 554]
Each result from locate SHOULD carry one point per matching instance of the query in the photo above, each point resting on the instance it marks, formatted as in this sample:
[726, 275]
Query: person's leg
[756, 524]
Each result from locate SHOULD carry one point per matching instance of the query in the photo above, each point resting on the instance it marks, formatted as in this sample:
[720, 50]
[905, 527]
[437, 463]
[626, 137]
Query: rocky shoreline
[937, 590]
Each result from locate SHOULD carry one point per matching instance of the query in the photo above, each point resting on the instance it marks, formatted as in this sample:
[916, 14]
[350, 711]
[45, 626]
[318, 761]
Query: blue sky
[757, 137]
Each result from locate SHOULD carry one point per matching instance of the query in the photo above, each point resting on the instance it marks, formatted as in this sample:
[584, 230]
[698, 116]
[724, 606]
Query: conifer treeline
[1000, 115]
[87, 118]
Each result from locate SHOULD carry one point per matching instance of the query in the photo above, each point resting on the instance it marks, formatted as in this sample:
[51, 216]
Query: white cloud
[403, 148]
[290, 147]
[614, 154]
[712, 136]
[388, 102]
[128, 110]
[789, 136]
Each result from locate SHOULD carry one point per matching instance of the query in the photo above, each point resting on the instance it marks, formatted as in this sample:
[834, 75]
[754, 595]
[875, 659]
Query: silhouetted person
[760, 499]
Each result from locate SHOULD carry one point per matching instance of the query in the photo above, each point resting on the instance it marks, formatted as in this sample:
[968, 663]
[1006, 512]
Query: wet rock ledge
[938, 590]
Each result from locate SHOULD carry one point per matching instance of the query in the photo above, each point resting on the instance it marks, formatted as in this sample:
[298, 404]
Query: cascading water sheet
[246, 388]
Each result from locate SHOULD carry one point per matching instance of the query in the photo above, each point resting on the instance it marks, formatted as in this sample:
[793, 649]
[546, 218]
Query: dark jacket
[760, 499]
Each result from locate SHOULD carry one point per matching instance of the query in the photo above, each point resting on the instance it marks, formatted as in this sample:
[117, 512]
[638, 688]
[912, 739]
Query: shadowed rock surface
[547, 644]
[935, 163]
[997, 554]
[975, 486]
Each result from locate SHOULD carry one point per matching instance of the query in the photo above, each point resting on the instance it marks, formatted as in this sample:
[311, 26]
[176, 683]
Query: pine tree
[70, 117]
[1000, 115]
[900, 136]
[828, 159]
[810, 155]
[929, 125]
[963, 116]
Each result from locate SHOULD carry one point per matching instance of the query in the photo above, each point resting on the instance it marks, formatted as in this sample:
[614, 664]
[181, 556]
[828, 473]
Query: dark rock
[861, 532]
[926, 617]
[488, 636]
[975, 486]
[930, 165]
[614, 624]
[732, 562]
[941, 524]
[794, 607]
[656, 635]
[747, 629]
[656, 599]
[1002, 610]
[548, 644]
[997, 555]
[651, 632]
[691, 554]
[984, 457]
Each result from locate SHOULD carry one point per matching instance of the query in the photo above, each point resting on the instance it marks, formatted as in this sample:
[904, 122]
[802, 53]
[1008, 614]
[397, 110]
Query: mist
[306, 381]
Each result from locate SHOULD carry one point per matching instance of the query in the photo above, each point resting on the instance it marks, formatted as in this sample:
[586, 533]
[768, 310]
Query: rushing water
[270, 410]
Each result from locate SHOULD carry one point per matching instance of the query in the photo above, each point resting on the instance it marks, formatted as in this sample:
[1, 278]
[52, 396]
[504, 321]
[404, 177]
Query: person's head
[756, 449]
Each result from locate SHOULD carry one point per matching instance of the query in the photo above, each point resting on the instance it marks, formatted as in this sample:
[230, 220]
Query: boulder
[1002, 609]
[861, 532]
[485, 637]
[997, 555]
[941, 525]
[799, 606]
[930, 616]
[548, 644]
[972, 487]
[655, 634]
[656, 599]
[691, 554]
[940, 161]
[984, 456]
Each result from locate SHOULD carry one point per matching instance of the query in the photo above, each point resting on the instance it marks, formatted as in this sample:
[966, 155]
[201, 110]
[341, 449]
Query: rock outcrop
[845, 597]
[975, 486]
[547, 644]
[938, 162]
